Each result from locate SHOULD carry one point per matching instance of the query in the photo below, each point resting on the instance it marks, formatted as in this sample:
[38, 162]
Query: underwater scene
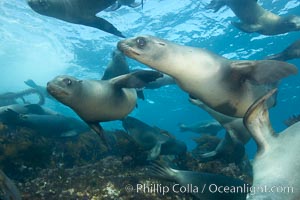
[149, 99]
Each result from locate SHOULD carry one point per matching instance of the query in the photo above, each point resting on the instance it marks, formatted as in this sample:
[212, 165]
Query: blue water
[39, 47]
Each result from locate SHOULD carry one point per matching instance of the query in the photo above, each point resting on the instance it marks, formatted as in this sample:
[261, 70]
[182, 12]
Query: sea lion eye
[67, 81]
[141, 42]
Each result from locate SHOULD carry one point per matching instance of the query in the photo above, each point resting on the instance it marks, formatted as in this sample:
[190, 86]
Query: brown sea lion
[255, 18]
[291, 52]
[76, 11]
[100, 100]
[226, 86]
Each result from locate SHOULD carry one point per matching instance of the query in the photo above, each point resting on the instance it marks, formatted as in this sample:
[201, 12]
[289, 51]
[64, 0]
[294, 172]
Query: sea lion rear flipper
[102, 24]
[216, 5]
[155, 151]
[261, 71]
[248, 28]
[257, 121]
[100, 131]
[137, 79]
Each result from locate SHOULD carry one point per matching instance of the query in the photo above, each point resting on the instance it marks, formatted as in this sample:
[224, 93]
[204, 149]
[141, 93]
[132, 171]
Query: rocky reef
[81, 167]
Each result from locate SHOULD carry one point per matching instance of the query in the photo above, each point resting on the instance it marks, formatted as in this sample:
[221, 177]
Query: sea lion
[8, 189]
[119, 3]
[100, 100]
[24, 109]
[208, 76]
[9, 98]
[231, 148]
[276, 164]
[201, 183]
[48, 125]
[254, 18]
[117, 66]
[152, 139]
[76, 11]
[289, 53]
[203, 127]
[40, 88]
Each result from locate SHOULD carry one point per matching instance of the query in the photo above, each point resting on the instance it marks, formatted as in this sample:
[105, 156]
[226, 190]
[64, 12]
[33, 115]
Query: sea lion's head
[146, 49]
[65, 89]
[44, 7]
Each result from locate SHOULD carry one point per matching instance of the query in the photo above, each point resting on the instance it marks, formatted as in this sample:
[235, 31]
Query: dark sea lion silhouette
[76, 11]
[255, 18]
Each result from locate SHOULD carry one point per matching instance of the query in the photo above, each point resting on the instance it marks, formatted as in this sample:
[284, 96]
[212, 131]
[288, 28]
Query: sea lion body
[116, 67]
[100, 100]
[96, 100]
[291, 52]
[48, 125]
[152, 139]
[255, 18]
[208, 76]
[276, 164]
[76, 11]
[203, 127]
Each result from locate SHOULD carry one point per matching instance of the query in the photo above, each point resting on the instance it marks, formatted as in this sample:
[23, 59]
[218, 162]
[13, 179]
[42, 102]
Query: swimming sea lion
[291, 52]
[208, 76]
[254, 18]
[276, 164]
[76, 11]
[203, 127]
[48, 125]
[9, 98]
[153, 139]
[201, 183]
[100, 100]
[119, 3]
[8, 189]
[40, 88]
[117, 66]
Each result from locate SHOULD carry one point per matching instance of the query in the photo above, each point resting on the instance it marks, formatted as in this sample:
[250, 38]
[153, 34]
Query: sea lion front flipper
[278, 56]
[100, 131]
[155, 151]
[257, 121]
[248, 28]
[31, 83]
[102, 24]
[261, 71]
[137, 79]
[216, 5]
